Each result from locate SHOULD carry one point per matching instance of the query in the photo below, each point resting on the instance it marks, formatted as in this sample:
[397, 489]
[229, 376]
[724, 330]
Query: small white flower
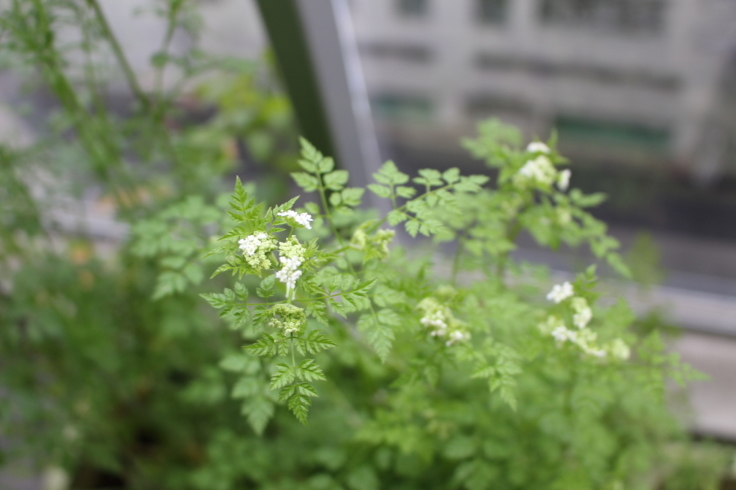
[249, 245]
[291, 258]
[288, 277]
[550, 324]
[437, 320]
[537, 147]
[561, 334]
[563, 179]
[620, 350]
[600, 353]
[301, 219]
[582, 318]
[563, 216]
[540, 171]
[256, 248]
[583, 313]
[560, 292]
[457, 336]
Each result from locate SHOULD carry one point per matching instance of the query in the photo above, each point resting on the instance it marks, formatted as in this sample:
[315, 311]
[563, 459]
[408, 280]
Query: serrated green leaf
[395, 217]
[266, 288]
[352, 196]
[405, 191]
[451, 175]
[264, 347]
[336, 180]
[299, 406]
[245, 387]
[412, 227]
[284, 375]
[258, 411]
[389, 174]
[380, 336]
[308, 370]
[380, 190]
[307, 182]
[326, 165]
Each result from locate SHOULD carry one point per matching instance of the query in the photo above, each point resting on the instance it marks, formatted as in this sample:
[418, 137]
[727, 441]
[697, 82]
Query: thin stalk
[119, 54]
[456, 260]
[309, 300]
[132, 79]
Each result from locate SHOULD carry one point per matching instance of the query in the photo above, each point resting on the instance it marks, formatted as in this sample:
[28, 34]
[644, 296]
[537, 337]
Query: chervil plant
[361, 358]
[485, 365]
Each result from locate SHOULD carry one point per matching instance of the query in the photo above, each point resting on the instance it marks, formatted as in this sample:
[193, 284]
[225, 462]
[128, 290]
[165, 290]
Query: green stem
[309, 300]
[132, 80]
[456, 260]
[119, 54]
[511, 234]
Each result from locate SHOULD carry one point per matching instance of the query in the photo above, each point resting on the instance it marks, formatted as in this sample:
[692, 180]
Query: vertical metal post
[318, 56]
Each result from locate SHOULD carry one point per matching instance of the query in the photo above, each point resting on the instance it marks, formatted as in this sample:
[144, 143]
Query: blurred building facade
[638, 82]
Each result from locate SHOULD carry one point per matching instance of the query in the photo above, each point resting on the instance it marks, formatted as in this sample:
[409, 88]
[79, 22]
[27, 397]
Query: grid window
[643, 16]
[412, 8]
[492, 12]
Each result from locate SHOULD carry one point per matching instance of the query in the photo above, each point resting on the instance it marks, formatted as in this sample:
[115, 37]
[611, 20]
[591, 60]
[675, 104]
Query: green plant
[118, 391]
[479, 376]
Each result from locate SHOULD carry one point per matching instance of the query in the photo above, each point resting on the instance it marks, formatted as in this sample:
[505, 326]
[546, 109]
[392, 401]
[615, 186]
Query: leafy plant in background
[434, 376]
[487, 376]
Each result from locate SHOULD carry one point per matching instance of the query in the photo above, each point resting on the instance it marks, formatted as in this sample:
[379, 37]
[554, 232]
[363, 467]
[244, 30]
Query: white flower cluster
[288, 318]
[436, 320]
[537, 147]
[442, 323]
[457, 336]
[302, 219]
[291, 256]
[563, 179]
[584, 338]
[256, 248]
[560, 292]
[289, 273]
[583, 313]
[540, 171]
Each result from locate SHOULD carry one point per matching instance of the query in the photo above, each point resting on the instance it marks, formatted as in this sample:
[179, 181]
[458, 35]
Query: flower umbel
[563, 179]
[291, 257]
[583, 313]
[440, 320]
[539, 171]
[537, 147]
[288, 318]
[256, 248]
[301, 219]
[560, 292]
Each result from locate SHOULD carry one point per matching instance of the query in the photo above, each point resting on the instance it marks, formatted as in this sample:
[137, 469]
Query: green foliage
[321, 354]
[480, 374]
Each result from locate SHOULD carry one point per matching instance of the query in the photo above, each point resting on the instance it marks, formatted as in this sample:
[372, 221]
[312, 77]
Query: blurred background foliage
[104, 388]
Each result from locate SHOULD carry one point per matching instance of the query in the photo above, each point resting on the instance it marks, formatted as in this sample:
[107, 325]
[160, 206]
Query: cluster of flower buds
[301, 219]
[442, 324]
[540, 170]
[288, 318]
[584, 338]
[257, 249]
[291, 256]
